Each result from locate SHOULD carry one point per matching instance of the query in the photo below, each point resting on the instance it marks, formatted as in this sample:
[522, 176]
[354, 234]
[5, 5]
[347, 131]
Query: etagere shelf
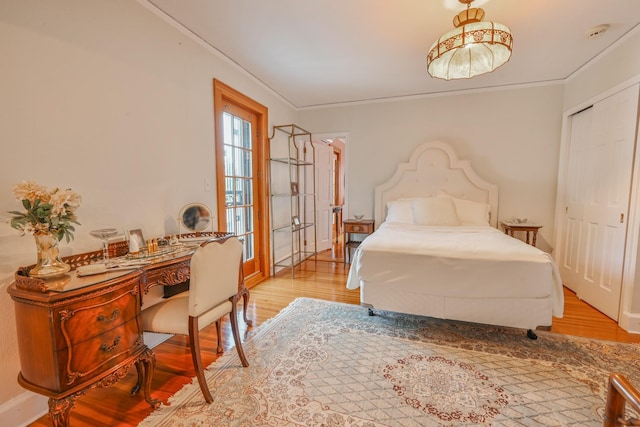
[293, 197]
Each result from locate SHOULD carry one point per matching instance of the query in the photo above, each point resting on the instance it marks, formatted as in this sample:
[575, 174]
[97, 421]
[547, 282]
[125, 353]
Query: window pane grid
[239, 181]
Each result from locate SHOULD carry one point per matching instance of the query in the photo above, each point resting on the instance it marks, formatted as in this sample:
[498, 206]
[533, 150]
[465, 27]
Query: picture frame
[294, 189]
[136, 234]
[295, 220]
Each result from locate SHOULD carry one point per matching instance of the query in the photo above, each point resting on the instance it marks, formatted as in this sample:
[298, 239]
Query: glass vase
[49, 263]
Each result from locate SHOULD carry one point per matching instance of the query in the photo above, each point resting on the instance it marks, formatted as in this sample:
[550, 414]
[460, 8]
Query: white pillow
[400, 211]
[435, 211]
[470, 212]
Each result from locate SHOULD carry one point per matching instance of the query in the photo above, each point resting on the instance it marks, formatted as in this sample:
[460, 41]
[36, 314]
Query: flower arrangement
[52, 211]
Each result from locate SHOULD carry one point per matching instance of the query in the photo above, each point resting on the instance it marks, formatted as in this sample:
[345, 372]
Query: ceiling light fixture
[473, 48]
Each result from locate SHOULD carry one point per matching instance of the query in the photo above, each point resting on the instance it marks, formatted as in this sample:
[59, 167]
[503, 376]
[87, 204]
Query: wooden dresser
[88, 336]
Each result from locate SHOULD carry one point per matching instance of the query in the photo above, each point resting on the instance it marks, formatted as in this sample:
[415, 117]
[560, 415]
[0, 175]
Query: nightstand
[351, 227]
[511, 227]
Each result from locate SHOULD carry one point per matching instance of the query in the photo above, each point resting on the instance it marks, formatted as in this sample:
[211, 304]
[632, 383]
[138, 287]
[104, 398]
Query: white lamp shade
[470, 50]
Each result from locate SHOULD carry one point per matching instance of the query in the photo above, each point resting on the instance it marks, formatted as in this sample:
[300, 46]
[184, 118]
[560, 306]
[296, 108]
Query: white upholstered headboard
[433, 167]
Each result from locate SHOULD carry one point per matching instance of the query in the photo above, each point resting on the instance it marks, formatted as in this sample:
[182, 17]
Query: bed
[437, 251]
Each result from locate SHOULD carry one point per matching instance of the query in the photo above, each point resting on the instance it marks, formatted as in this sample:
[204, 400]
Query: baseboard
[23, 409]
[27, 407]
[630, 322]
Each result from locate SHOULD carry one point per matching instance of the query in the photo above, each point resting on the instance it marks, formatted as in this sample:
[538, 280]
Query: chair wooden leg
[236, 332]
[194, 343]
[219, 333]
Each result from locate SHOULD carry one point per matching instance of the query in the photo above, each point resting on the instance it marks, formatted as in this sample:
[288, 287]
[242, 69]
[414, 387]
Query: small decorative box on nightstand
[351, 227]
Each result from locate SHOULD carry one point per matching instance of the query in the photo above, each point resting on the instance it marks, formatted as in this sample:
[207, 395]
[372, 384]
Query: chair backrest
[214, 274]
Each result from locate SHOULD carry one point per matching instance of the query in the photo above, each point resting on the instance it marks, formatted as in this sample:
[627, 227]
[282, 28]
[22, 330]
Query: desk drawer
[168, 275]
[363, 228]
[92, 357]
[94, 316]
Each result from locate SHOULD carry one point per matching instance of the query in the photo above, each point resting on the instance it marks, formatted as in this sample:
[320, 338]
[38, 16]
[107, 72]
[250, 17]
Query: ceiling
[315, 53]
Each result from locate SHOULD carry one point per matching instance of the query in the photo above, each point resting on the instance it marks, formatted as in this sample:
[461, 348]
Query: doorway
[240, 129]
[336, 185]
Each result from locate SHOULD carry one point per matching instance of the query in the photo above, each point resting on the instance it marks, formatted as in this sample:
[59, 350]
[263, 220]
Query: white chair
[212, 293]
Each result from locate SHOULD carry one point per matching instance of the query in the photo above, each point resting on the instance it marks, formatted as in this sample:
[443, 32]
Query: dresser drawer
[94, 316]
[96, 355]
[364, 228]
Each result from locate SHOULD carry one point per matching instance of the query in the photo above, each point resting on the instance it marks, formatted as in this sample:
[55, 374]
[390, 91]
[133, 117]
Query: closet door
[571, 262]
[597, 205]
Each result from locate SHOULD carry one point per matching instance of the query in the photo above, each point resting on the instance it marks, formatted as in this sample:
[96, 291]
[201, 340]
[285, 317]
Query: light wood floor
[114, 406]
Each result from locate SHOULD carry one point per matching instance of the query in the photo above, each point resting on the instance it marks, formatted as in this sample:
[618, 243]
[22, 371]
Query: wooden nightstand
[511, 227]
[351, 227]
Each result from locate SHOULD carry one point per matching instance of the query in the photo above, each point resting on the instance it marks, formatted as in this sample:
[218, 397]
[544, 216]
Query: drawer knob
[357, 228]
[107, 348]
[109, 319]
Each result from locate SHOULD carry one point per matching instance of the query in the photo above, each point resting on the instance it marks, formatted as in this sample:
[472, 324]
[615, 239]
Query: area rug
[320, 363]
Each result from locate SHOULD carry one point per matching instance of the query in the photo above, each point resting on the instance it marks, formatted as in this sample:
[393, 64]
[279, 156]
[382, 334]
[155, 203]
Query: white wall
[511, 137]
[609, 70]
[104, 97]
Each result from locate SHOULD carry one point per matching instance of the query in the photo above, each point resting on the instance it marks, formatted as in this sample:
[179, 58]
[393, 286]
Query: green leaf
[17, 223]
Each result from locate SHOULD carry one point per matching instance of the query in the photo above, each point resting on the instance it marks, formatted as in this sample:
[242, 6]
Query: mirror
[195, 217]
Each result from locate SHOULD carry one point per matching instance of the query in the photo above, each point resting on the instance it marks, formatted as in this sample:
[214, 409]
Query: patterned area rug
[321, 363]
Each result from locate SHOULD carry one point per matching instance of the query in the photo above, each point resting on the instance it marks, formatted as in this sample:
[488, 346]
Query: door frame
[223, 93]
[344, 172]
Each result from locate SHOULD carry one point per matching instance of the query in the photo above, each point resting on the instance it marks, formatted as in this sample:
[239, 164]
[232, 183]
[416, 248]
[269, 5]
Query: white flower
[64, 201]
[46, 211]
[31, 191]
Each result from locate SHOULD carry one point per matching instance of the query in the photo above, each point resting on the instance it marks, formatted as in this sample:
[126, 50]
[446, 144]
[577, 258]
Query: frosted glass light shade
[470, 50]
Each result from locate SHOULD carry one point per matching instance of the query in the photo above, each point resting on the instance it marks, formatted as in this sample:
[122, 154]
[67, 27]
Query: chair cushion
[170, 316]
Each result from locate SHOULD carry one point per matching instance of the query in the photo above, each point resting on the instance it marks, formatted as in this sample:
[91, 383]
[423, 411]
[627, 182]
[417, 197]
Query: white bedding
[457, 264]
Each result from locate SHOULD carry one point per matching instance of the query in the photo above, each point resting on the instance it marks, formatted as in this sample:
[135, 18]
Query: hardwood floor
[324, 279]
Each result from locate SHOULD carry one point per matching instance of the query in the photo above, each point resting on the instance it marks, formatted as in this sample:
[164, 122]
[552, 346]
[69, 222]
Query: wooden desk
[173, 269]
[78, 333]
[351, 227]
[511, 227]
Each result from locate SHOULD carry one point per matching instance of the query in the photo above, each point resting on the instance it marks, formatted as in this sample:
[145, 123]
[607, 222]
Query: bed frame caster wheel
[371, 313]
[531, 335]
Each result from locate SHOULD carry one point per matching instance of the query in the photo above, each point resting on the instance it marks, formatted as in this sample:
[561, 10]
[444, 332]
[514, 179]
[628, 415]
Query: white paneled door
[577, 184]
[598, 187]
[324, 194]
